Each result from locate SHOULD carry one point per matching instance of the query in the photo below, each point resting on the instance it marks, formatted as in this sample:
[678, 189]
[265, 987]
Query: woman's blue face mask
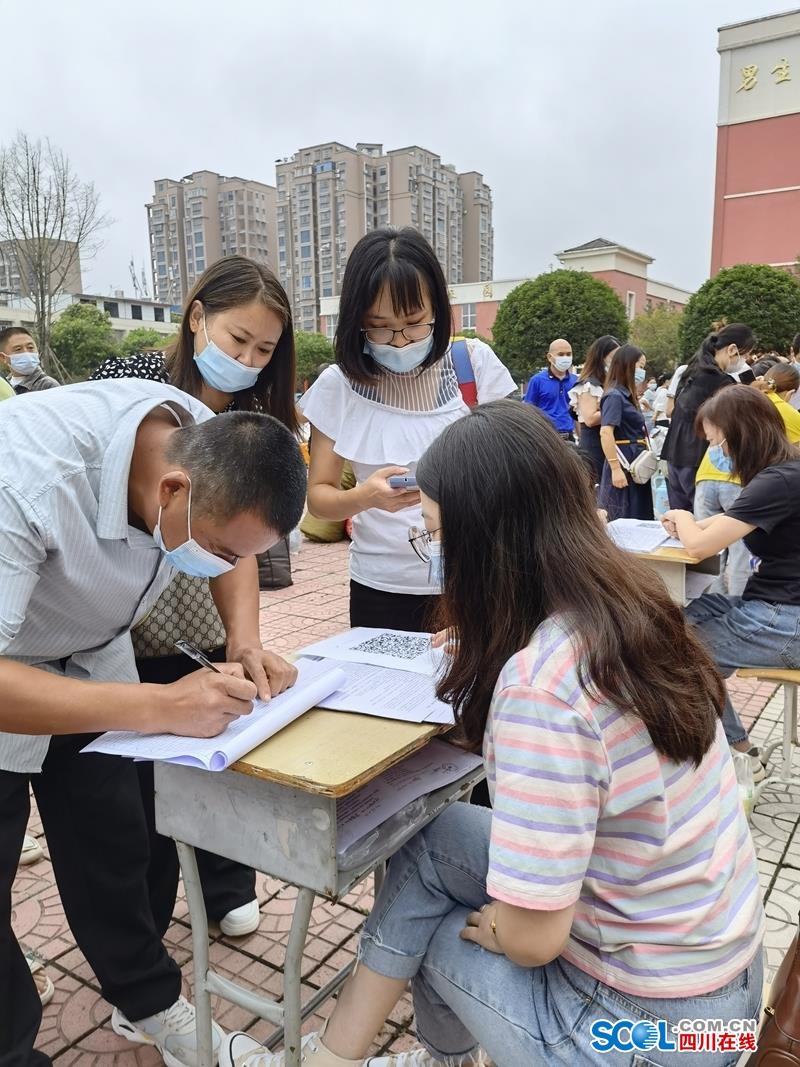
[721, 460]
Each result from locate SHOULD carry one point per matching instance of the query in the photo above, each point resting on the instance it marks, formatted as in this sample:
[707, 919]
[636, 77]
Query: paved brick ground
[75, 1026]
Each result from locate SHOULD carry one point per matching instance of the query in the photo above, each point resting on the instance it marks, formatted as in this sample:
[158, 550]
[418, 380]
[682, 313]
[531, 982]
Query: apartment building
[16, 280]
[199, 219]
[330, 195]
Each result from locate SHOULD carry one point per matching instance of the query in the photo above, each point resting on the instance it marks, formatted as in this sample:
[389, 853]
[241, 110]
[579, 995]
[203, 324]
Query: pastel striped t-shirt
[656, 856]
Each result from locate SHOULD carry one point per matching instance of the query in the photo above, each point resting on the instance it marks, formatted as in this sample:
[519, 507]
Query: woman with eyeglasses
[615, 878]
[392, 391]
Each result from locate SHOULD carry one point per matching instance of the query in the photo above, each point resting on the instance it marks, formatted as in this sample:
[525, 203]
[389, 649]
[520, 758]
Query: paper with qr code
[398, 649]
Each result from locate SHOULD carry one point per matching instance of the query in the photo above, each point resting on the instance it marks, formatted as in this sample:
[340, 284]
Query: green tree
[563, 303]
[142, 339]
[311, 350]
[656, 332]
[82, 338]
[765, 298]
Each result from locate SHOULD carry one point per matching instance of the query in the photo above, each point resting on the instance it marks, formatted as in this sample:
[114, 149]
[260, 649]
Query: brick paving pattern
[75, 1027]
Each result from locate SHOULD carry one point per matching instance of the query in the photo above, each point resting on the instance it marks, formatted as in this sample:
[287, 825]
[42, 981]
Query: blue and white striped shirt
[74, 575]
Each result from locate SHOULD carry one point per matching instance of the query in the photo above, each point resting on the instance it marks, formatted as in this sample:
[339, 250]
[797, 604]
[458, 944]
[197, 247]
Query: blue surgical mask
[191, 558]
[24, 362]
[223, 372]
[435, 566]
[400, 360]
[562, 362]
[723, 463]
[639, 375]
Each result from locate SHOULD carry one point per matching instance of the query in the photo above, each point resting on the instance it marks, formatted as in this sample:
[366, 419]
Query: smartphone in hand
[402, 481]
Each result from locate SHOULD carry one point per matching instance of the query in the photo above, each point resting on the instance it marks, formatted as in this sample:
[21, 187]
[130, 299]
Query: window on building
[112, 307]
[630, 304]
[136, 311]
[468, 317]
[306, 282]
[158, 314]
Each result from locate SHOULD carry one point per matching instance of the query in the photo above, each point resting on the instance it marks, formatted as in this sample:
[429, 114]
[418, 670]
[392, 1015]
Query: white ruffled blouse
[370, 428]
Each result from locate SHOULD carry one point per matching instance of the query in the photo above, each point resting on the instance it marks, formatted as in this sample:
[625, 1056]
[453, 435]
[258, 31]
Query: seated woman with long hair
[760, 628]
[615, 877]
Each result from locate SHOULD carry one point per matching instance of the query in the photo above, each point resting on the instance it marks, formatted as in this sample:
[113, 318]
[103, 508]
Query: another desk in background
[275, 810]
[675, 567]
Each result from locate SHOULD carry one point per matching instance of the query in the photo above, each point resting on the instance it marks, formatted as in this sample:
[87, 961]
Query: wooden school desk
[672, 564]
[275, 810]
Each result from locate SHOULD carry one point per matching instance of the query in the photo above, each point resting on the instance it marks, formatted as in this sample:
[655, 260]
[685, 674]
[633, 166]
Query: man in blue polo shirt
[548, 390]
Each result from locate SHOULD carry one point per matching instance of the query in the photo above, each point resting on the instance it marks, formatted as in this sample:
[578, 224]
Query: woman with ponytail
[706, 374]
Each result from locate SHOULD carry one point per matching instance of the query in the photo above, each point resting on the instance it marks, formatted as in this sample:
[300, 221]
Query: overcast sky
[587, 119]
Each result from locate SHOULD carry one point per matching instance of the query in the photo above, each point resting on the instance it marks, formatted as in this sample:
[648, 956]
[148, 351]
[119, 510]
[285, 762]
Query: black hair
[241, 461]
[760, 369]
[796, 344]
[514, 504]
[405, 262]
[623, 368]
[596, 355]
[735, 333]
[662, 379]
[9, 332]
[232, 282]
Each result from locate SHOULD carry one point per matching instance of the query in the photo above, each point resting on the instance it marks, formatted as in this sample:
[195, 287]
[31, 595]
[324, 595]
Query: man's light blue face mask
[190, 557]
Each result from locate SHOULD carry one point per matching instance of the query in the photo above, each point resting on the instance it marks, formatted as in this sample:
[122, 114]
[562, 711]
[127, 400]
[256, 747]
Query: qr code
[401, 646]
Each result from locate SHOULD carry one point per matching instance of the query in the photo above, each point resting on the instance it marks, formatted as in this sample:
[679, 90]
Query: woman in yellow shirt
[779, 383]
[717, 489]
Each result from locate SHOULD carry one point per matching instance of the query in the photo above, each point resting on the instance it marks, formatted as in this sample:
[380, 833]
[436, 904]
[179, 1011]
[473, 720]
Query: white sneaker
[420, 1057]
[241, 1050]
[32, 851]
[757, 765]
[171, 1031]
[241, 921]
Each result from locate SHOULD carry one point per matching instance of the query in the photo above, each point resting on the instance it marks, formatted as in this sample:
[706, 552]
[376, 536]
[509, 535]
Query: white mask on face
[562, 363]
[400, 360]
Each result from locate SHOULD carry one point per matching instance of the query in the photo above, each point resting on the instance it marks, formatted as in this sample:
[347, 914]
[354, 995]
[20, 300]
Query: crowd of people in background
[548, 684]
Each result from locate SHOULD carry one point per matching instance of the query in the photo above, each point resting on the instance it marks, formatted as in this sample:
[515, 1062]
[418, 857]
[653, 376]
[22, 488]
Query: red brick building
[757, 191]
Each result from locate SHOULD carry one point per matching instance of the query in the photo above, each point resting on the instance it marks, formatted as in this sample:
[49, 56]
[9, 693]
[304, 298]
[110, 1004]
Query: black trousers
[680, 487]
[400, 611]
[91, 812]
[226, 885]
[395, 611]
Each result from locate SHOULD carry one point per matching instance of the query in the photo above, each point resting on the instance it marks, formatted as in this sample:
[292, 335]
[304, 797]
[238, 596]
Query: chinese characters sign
[780, 73]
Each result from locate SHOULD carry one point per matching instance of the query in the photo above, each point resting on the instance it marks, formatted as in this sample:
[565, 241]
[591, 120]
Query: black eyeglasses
[420, 541]
[384, 336]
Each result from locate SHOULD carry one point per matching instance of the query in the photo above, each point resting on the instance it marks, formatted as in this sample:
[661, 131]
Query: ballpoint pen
[199, 657]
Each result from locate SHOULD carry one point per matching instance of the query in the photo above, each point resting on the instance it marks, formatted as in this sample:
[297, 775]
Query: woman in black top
[760, 628]
[235, 349]
[683, 449]
[622, 430]
[585, 399]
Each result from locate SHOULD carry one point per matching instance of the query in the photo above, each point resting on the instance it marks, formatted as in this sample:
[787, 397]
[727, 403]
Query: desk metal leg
[293, 965]
[199, 921]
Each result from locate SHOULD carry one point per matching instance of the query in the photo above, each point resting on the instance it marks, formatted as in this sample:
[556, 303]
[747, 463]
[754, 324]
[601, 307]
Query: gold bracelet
[493, 927]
